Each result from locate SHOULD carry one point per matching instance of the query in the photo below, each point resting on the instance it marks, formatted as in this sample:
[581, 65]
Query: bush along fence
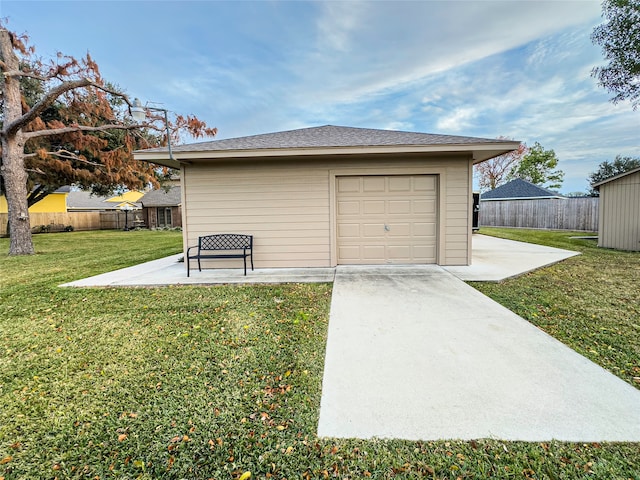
[70, 221]
[579, 214]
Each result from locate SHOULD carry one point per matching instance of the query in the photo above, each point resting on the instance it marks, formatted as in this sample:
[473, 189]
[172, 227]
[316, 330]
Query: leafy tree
[62, 123]
[611, 169]
[494, 172]
[619, 38]
[46, 176]
[537, 166]
[575, 195]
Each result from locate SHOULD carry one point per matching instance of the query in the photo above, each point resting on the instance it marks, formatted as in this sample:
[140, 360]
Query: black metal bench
[233, 245]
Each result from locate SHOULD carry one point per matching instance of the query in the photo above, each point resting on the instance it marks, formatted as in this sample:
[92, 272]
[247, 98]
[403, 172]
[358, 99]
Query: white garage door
[386, 219]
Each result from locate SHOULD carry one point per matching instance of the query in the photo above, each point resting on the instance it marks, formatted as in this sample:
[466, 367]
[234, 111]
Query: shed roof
[162, 197]
[329, 139]
[615, 177]
[519, 189]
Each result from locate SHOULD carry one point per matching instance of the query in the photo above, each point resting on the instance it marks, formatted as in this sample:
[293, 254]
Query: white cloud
[337, 25]
[459, 120]
[365, 48]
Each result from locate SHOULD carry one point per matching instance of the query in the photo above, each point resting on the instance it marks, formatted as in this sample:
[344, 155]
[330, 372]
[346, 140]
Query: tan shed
[619, 211]
[324, 196]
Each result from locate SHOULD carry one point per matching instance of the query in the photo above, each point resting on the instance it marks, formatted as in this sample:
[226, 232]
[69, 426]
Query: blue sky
[517, 69]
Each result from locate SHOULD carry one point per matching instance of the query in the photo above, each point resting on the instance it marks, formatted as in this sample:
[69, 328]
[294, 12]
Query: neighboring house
[326, 196]
[619, 221]
[65, 200]
[82, 201]
[131, 197]
[518, 189]
[120, 204]
[162, 208]
[55, 202]
[521, 204]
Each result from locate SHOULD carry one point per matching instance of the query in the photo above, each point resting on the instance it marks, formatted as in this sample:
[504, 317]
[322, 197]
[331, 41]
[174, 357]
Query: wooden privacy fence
[579, 214]
[114, 220]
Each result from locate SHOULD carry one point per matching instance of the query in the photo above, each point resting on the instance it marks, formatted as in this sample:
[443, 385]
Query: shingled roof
[518, 189]
[162, 197]
[306, 141]
[327, 136]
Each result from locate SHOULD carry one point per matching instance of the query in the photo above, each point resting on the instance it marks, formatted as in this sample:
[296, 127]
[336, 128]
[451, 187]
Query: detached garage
[326, 196]
[619, 207]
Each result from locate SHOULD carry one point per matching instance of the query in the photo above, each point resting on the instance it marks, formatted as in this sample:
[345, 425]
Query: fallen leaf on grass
[122, 437]
[6, 460]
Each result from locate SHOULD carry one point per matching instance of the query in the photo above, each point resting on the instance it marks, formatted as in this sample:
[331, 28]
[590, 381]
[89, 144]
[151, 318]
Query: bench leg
[187, 261]
[245, 265]
[251, 256]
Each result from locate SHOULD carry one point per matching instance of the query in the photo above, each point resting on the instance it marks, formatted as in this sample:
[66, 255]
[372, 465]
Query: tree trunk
[12, 166]
[15, 184]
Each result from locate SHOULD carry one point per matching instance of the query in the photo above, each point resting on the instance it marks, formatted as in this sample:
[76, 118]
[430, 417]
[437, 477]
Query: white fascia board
[480, 152]
[522, 198]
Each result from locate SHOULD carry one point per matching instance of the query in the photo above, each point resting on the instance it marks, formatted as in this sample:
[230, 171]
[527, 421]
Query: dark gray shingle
[328, 136]
[519, 188]
[162, 197]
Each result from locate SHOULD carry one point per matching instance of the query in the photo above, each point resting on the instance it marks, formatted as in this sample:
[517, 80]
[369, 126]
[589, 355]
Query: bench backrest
[225, 241]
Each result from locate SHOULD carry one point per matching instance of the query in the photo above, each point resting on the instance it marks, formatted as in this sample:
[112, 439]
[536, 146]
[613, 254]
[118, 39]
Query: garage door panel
[402, 207]
[373, 252]
[350, 253]
[349, 230]
[427, 207]
[373, 230]
[399, 184]
[348, 184]
[397, 253]
[348, 208]
[399, 230]
[373, 207]
[424, 229]
[424, 251]
[387, 219]
[424, 183]
[373, 184]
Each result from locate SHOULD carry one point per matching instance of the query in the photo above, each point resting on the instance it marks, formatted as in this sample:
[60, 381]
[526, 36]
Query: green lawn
[590, 302]
[213, 382]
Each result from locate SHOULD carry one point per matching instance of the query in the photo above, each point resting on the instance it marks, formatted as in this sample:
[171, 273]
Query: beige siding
[457, 206]
[289, 206]
[619, 221]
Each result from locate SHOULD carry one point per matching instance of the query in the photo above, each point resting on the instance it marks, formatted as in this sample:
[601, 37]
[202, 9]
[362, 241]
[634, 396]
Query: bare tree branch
[51, 97]
[65, 154]
[80, 128]
[44, 103]
[20, 73]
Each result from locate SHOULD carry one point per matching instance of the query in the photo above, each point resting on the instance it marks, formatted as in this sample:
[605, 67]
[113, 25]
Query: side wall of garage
[619, 219]
[290, 205]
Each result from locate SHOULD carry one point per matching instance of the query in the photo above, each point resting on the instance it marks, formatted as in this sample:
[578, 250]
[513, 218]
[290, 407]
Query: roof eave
[479, 151]
[550, 197]
[615, 177]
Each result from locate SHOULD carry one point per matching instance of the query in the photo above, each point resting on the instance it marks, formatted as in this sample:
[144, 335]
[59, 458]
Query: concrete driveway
[415, 353]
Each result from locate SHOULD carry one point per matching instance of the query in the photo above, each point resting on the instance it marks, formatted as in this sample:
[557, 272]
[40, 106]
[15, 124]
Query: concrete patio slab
[415, 353]
[172, 271]
[496, 259]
